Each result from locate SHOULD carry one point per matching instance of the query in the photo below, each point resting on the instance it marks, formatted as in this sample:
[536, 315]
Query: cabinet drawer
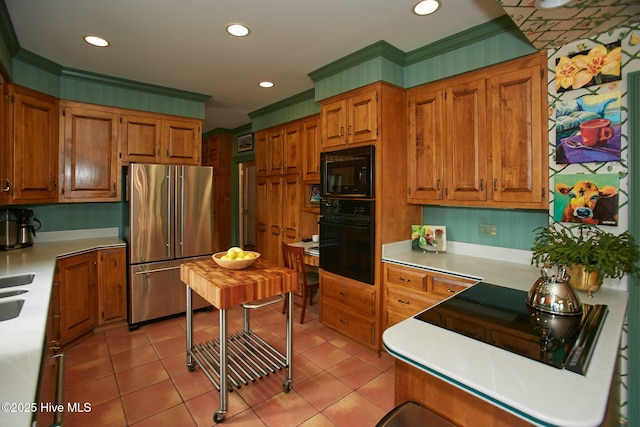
[445, 287]
[409, 277]
[406, 302]
[348, 323]
[360, 298]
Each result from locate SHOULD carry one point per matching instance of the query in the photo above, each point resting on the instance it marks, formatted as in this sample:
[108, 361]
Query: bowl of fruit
[235, 258]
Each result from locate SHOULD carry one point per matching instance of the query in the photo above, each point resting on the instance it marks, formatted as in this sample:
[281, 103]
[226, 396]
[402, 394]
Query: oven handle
[59, 399]
[353, 226]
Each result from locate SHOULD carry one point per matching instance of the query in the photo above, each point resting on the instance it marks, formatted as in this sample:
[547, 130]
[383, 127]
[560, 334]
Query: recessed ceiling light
[551, 4]
[265, 84]
[96, 41]
[426, 7]
[238, 30]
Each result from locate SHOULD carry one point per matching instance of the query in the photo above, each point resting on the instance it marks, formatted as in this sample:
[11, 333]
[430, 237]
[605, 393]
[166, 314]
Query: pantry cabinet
[350, 118]
[479, 139]
[408, 290]
[311, 136]
[30, 171]
[217, 151]
[90, 167]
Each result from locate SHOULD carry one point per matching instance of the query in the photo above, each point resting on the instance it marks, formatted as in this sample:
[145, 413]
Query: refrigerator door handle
[181, 216]
[169, 213]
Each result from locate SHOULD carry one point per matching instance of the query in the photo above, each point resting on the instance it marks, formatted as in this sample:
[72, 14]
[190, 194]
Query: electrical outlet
[488, 230]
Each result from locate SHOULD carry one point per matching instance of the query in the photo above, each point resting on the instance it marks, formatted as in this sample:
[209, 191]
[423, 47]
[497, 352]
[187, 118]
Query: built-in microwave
[348, 173]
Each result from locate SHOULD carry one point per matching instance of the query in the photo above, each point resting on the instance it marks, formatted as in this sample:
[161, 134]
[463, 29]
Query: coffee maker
[17, 228]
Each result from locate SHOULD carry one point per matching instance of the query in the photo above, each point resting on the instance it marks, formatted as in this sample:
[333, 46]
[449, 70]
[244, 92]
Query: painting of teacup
[596, 132]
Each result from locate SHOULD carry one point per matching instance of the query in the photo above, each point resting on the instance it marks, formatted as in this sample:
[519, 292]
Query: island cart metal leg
[189, 317]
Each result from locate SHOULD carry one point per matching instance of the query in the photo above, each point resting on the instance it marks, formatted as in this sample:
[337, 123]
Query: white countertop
[22, 338]
[538, 393]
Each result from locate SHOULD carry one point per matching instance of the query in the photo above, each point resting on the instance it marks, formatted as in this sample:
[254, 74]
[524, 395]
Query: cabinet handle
[344, 294]
[344, 322]
[341, 131]
[7, 187]
[495, 185]
[401, 301]
[349, 130]
[451, 291]
[404, 279]
[438, 185]
[481, 183]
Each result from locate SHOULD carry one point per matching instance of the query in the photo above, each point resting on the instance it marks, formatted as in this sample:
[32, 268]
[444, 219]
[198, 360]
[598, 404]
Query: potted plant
[589, 254]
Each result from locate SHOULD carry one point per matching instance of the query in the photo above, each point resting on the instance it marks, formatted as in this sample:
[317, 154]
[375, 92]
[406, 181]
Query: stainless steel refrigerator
[168, 220]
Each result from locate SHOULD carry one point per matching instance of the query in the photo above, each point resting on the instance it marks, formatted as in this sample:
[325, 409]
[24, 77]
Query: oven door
[346, 248]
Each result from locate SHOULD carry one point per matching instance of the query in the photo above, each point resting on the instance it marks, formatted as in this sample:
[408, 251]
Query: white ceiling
[183, 44]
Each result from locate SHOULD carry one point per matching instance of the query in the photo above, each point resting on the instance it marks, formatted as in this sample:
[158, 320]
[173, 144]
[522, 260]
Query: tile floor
[140, 378]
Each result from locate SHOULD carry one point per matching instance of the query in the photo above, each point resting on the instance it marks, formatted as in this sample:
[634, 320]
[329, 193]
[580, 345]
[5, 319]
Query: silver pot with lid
[553, 294]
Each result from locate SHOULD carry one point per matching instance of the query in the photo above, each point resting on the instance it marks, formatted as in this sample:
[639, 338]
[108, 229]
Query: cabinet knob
[7, 186]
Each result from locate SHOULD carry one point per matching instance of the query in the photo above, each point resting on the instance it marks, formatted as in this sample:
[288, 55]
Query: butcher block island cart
[238, 358]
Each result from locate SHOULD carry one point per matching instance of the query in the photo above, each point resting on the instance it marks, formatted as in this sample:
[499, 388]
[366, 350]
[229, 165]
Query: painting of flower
[600, 64]
[432, 238]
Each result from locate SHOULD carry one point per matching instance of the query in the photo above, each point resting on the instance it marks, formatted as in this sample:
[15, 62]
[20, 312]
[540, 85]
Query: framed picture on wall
[245, 142]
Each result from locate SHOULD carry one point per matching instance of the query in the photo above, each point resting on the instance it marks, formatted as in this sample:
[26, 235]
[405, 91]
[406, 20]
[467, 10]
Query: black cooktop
[500, 317]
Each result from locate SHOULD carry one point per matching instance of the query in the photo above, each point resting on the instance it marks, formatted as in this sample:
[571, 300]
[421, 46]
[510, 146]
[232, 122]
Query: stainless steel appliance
[169, 220]
[500, 316]
[17, 228]
[348, 173]
[347, 230]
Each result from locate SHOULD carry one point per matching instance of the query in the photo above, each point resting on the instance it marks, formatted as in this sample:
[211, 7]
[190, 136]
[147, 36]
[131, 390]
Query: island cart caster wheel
[191, 368]
[218, 416]
[286, 387]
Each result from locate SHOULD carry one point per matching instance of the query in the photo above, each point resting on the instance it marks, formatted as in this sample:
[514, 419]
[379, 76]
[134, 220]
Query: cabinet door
[426, 145]
[262, 153]
[35, 147]
[91, 166]
[311, 147]
[334, 117]
[112, 280]
[78, 296]
[141, 138]
[518, 135]
[274, 233]
[262, 214]
[291, 205]
[181, 142]
[362, 119]
[466, 157]
[276, 151]
[292, 146]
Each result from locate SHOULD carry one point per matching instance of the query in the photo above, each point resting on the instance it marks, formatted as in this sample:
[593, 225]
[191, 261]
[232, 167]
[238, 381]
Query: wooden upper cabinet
[311, 149]
[262, 153]
[33, 148]
[91, 168]
[350, 118]
[518, 126]
[490, 146]
[292, 147]
[466, 141]
[181, 142]
[426, 143]
[141, 138]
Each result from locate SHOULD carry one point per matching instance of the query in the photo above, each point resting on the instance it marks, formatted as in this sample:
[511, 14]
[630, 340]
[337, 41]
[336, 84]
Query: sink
[13, 293]
[10, 309]
[20, 280]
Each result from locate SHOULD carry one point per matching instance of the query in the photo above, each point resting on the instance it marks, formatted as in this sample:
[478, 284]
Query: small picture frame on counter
[429, 238]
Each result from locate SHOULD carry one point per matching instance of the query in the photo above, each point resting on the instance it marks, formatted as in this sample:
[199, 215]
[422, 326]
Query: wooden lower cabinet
[450, 402]
[408, 291]
[89, 290]
[77, 276]
[349, 307]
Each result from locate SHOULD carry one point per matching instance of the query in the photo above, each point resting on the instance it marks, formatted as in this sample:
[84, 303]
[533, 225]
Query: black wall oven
[347, 238]
[348, 173]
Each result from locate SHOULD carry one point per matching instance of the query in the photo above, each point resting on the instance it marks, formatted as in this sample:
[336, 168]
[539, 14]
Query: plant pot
[581, 280]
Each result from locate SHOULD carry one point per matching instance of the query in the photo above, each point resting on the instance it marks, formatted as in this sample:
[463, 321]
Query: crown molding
[380, 49]
[287, 102]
